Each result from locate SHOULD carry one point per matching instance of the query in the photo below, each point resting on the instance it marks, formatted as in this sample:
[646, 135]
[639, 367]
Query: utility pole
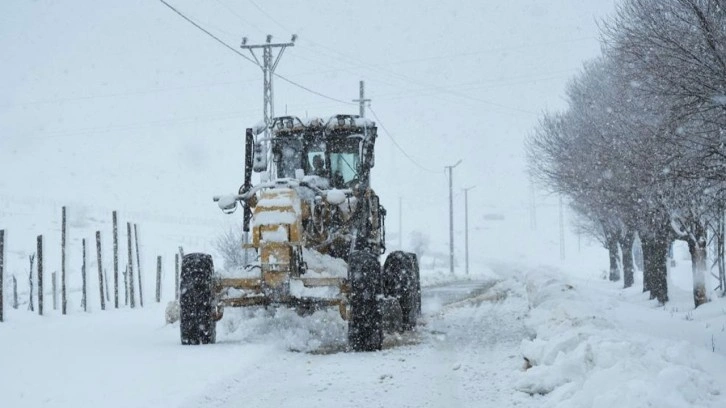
[451, 216]
[562, 231]
[466, 226]
[532, 206]
[268, 71]
[362, 99]
[400, 223]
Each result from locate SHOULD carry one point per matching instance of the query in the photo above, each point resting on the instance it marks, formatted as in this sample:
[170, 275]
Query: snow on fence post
[132, 300]
[138, 265]
[115, 259]
[31, 258]
[176, 276]
[15, 293]
[40, 274]
[83, 276]
[2, 270]
[158, 279]
[54, 286]
[63, 261]
[100, 269]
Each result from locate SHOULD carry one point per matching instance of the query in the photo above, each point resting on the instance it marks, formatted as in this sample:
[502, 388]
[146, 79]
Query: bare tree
[230, 246]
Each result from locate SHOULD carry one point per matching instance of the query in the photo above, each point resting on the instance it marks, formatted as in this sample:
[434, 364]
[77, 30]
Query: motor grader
[318, 231]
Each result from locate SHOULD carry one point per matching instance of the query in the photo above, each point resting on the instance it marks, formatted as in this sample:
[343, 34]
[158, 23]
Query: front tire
[365, 323]
[196, 300]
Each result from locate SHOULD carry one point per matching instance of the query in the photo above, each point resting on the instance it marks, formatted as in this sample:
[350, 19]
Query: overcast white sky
[125, 104]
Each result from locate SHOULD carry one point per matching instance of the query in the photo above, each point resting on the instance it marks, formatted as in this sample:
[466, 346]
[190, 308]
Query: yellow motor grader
[318, 230]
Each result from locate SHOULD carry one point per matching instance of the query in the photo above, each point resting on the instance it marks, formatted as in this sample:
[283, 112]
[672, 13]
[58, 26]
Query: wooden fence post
[176, 276]
[138, 265]
[15, 293]
[158, 279]
[31, 258]
[132, 298]
[126, 285]
[53, 284]
[2, 270]
[63, 261]
[100, 268]
[83, 276]
[40, 274]
[115, 259]
[105, 279]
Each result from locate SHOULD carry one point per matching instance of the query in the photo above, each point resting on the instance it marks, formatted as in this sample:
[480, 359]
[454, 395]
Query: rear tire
[196, 300]
[401, 280]
[365, 324]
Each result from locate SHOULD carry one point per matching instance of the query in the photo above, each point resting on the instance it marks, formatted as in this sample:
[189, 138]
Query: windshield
[344, 161]
[287, 155]
[316, 164]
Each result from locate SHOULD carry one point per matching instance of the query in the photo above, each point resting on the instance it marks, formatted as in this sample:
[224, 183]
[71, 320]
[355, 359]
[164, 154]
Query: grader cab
[318, 231]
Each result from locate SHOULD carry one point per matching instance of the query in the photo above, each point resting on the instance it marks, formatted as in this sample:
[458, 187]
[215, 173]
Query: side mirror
[259, 161]
[227, 203]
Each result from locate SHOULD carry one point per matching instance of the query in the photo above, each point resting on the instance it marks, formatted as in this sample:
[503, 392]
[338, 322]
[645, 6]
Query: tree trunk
[698, 251]
[660, 279]
[655, 275]
[626, 245]
[646, 244]
[614, 255]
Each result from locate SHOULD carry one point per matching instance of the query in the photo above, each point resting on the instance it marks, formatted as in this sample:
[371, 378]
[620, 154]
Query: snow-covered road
[464, 353]
[457, 358]
[467, 352]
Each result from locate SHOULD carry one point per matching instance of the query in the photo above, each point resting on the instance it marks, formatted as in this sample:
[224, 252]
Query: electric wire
[411, 159]
[224, 44]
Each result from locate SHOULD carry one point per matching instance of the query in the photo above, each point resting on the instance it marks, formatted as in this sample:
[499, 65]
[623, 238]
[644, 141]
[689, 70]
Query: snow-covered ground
[590, 344]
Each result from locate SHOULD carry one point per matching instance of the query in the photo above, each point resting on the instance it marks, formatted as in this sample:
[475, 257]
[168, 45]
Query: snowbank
[440, 276]
[586, 354]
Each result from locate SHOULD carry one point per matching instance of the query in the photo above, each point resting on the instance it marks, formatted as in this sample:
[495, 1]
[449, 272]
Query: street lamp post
[451, 216]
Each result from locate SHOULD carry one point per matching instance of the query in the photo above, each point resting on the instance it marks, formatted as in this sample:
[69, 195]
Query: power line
[314, 92]
[224, 44]
[378, 120]
[401, 77]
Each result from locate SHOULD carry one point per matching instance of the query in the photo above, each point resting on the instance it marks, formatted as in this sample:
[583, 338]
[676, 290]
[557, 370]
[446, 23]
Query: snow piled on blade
[582, 356]
[285, 329]
[322, 265]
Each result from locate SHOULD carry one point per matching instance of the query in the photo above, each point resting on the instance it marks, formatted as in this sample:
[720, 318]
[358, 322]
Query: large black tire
[365, 324]
[196, 300]
[401, 280]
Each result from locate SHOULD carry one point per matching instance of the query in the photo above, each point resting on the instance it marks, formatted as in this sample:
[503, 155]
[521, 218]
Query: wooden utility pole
[100, 267]
[138, 265]
[132, 300]
[63, 263]
[115, 260]
[39, 251]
